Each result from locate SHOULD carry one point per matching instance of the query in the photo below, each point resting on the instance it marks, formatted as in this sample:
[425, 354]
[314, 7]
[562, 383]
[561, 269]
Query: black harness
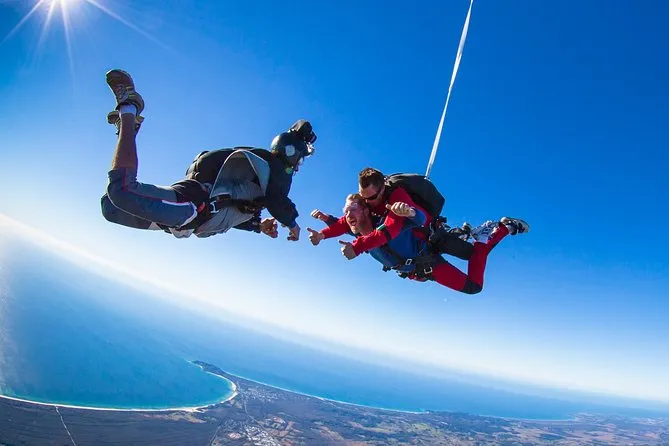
[423, 264]
[192, 190]
[440, 239]
[206, 210]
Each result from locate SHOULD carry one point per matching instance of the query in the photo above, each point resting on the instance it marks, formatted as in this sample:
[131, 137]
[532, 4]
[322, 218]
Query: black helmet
[295, 144]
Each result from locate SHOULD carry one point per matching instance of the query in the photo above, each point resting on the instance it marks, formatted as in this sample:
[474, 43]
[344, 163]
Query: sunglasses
[372, 197]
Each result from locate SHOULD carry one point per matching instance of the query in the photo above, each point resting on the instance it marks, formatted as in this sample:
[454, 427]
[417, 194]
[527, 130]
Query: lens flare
[65, 8]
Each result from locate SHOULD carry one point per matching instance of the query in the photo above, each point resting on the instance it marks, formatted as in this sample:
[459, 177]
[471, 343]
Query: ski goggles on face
[310, 149]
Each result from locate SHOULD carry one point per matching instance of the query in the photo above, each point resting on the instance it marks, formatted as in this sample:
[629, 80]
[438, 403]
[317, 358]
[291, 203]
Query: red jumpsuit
[442, 273]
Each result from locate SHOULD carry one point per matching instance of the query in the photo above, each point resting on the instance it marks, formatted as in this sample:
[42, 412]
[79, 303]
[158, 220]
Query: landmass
[266, 416]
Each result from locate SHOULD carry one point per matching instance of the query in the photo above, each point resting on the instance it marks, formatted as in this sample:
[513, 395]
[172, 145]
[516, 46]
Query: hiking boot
[515, 225]
[114, 117]
[482, 232]
[123, 86]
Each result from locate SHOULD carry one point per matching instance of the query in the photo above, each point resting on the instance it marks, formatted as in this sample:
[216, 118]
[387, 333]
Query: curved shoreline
[235, 392]
[572, 417]
[414, 412]
[322, 398]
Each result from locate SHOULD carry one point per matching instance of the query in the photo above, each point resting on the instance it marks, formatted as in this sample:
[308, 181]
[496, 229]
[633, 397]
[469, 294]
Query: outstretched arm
[335, 227]
[325, 218]
[278, 202]
[392, 225]
[283, 209]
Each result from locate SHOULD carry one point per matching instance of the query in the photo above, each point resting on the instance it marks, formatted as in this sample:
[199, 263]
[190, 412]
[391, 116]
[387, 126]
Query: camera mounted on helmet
[294, 145]
[304, 130]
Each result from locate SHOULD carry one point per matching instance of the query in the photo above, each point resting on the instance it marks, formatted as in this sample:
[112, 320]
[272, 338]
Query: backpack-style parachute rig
[442, 239]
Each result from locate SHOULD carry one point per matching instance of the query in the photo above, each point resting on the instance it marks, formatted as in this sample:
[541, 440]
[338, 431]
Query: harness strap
[398, 259]
[245, 206]
[207, 209]
[424, 265]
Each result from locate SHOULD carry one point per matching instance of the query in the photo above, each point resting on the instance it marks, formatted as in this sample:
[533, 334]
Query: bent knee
[121, 195]
[115, 191]
[121, 182]
[108, 209]
[472, 287]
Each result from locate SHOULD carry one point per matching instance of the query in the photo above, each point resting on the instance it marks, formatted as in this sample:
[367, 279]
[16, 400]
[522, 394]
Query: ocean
[70, 336]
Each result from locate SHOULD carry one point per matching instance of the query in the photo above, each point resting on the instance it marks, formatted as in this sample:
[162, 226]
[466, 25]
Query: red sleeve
[340, 227]
[390, 228]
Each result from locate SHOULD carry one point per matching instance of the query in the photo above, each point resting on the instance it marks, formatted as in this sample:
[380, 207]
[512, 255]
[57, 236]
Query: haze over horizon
[290, 333]
[556, 117]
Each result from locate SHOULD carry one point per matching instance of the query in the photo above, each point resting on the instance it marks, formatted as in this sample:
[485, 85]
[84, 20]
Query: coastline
[234, 393]
[321, 398]
[414, 412]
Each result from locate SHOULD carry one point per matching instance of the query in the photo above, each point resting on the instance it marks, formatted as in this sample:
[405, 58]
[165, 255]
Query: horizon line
[78, 253]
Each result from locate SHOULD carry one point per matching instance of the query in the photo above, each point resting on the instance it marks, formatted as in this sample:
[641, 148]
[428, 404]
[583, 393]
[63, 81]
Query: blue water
[72, 337]
[62, 339]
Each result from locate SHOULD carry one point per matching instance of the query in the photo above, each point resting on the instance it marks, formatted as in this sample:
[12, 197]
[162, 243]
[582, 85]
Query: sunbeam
[65, 8]
[64, 12]
[23, 20]
[113, 15]
[45, 28]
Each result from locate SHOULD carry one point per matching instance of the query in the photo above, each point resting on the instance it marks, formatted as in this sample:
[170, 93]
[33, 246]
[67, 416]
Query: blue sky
[556, 117]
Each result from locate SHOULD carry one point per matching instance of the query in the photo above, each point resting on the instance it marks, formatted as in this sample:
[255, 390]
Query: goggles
[310, 151]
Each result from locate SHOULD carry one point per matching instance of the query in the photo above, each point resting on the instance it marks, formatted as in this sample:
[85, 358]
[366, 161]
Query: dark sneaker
[123, 86]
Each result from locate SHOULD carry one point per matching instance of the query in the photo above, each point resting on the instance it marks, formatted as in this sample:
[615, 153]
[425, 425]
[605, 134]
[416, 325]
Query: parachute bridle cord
[450, 87]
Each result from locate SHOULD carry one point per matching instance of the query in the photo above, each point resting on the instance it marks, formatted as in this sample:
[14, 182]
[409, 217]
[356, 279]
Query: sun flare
[47, 9]
[64, 3]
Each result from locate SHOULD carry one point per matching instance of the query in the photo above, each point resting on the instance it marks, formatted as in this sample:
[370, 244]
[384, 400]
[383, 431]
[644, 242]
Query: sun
[64, 3]
[65, 8]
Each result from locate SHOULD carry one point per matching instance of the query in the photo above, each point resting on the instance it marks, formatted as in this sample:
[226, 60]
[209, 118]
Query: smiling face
[356, 214]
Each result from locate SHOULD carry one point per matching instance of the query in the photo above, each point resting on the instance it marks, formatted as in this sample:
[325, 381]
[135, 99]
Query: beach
[233, 394]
